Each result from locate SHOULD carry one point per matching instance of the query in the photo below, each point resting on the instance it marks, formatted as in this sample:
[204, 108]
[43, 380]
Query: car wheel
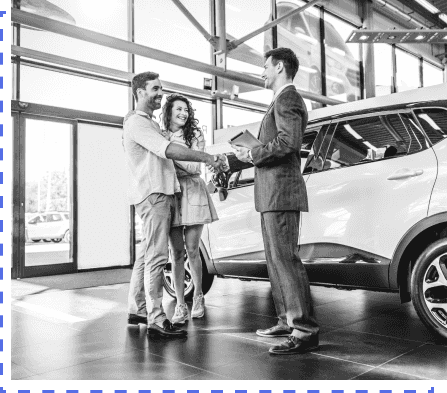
[47, 240]
[67, 236]
[168, 280]
[56, 240]
[35, 240]
[429, 287]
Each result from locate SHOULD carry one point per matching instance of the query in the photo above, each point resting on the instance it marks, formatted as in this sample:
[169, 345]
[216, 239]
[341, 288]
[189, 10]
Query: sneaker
[181, 314]
[198, 306]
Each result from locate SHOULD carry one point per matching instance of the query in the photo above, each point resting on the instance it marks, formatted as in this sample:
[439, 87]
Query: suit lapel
[268, 110]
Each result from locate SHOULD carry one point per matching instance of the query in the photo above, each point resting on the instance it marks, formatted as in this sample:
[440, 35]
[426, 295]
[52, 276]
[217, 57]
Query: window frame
[337, 121]
[416, 119]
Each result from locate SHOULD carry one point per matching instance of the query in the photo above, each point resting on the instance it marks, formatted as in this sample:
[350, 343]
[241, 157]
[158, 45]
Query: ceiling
[440, 5]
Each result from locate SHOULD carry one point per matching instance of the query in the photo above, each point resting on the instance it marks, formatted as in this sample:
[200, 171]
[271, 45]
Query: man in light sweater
[152, 188]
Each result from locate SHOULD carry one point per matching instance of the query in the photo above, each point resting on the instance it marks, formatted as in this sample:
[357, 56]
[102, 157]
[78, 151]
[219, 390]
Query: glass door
[46, 238]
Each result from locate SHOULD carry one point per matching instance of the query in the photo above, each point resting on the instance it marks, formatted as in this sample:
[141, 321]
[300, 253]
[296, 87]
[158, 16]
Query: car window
[434, 123]
[281, 11]
[317, 154]
[54, 217]
[333, 39]
[374, 138]
[297, 25]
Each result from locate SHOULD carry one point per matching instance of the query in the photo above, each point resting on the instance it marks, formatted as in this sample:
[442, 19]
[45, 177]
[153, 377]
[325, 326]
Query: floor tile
[305, 366]
[52, 355]
[428, 361]
[133, 365]
[206, 352]
[369, 349]
[381, 374]
[19, 372]
[28, 330]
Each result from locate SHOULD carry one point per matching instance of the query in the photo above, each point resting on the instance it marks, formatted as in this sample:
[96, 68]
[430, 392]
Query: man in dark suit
[280, 196]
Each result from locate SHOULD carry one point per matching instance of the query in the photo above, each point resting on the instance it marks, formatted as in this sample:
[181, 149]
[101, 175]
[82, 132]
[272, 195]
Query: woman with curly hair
[193, 209]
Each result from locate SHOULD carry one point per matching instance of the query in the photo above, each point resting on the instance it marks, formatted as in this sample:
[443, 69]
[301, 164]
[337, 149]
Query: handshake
[219, 164]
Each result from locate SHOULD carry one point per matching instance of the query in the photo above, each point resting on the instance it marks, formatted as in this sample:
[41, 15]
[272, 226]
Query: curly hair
[191, 125]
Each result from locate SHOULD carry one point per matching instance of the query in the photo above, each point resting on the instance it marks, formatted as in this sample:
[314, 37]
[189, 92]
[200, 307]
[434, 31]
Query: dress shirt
[148, 169]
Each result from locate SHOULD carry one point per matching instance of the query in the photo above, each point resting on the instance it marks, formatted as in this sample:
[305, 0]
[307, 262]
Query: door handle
[405, 173]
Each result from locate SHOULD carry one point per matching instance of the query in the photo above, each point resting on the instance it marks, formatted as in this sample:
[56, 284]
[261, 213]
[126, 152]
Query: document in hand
[245, 139]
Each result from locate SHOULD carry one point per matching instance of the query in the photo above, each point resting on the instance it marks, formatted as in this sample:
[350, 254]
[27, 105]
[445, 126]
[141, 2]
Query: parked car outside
[376, 177]
[49, 226]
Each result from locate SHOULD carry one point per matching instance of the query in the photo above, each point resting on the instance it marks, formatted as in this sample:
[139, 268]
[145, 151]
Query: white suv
[376, 177]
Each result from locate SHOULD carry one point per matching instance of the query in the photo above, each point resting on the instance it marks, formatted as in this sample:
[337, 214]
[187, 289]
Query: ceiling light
[420, 37]
[392, 37]
[443, 17]
[428, 6]
[364, 37]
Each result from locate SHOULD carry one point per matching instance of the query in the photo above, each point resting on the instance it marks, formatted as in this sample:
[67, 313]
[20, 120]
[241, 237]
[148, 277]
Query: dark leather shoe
[134, 319]
[168, 330]
[275, 331]
[294, 345]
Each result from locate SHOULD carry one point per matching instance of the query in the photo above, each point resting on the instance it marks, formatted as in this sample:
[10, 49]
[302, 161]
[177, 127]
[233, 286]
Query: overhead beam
[123, 75]
[235, 43]
[211, 39]
[82, 34]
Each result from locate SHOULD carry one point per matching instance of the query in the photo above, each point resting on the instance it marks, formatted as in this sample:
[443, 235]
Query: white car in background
[49, 226]
[376, 177]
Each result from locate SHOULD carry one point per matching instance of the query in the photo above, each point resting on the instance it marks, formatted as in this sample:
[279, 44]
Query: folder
[245, 139]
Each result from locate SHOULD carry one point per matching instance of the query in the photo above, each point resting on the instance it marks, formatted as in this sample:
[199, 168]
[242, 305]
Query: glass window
[100, 15]
[247, 58]
[301, 33]
[315, 159]
[159, 24]
[371, 139]
[237, 116]
[434, 123]
[383, 66]
[432, 75]
[54, 217]
[342, 61]
[407, 71]
[62, 90]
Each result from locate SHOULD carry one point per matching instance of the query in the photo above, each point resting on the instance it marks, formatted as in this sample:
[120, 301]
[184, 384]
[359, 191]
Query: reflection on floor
[83, 334]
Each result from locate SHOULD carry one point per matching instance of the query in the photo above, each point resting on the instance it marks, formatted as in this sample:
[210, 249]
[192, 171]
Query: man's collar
[278, 92]
[141, 113]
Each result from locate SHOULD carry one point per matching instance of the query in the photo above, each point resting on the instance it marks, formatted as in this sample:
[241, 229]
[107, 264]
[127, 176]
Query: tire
[168, 283]
[56, 240]
[67, 236]
[429, 287]
[35, 240]
[47, 240]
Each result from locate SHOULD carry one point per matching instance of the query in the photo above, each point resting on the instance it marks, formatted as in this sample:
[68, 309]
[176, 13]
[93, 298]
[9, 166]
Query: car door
[34, 227]
[53, 227]
[235, 240]
[373, 185]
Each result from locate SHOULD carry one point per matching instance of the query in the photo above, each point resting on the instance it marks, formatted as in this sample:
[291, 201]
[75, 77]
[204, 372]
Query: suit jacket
[279, 184]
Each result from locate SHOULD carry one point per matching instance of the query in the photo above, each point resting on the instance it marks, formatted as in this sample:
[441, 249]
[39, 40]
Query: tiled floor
[83, 334]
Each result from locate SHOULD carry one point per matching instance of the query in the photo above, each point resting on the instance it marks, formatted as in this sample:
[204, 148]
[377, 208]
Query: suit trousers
[146, 284]
[288, 277]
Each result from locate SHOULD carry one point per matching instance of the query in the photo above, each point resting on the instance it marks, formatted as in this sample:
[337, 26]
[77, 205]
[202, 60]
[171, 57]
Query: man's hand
[221, 165]
[241, 153]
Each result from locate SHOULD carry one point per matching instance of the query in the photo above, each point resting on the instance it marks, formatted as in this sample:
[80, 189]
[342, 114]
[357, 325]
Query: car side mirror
[223, 193]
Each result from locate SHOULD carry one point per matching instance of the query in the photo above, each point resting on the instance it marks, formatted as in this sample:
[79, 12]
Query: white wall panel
[103, 212]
